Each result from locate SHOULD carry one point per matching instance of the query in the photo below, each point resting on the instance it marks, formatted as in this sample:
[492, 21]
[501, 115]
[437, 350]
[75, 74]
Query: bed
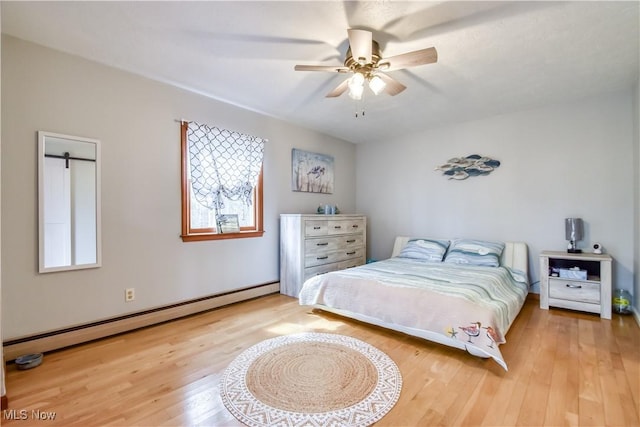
[462, 293]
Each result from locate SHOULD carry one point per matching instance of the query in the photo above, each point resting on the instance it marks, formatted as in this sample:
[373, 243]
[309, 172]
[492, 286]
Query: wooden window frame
[201, 234]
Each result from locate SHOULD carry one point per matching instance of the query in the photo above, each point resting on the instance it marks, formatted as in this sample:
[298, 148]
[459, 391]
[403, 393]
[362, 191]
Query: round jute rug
[311, 379]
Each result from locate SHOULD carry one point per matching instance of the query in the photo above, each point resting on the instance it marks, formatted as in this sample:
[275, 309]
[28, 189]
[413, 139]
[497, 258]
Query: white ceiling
[493, 57]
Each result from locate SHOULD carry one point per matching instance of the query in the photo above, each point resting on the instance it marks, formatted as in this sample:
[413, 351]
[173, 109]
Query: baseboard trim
[54, 340]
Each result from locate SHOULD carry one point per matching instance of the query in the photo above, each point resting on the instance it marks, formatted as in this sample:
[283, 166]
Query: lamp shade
[573, 229]
[376, 84]
[356, 86]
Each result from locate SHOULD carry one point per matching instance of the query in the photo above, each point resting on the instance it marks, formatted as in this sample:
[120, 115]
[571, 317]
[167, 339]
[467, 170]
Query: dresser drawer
[350, 241]
[311, 260]
[326, 268]
[321, 245]
[346, 226]
[315, 228]
[350, 263]
[333, 243]
[319, 269]
[574, 290]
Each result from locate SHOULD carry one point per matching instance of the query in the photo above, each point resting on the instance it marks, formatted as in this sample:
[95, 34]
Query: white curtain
[223, 164]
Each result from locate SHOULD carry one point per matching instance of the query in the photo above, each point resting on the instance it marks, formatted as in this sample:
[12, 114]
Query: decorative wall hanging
[311, 172]
[464, 167]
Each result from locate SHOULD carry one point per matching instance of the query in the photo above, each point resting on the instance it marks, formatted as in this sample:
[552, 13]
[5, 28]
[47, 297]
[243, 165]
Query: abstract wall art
[463, 167]
[311, 172]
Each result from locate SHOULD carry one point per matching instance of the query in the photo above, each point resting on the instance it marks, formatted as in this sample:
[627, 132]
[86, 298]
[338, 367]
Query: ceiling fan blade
[360, 42]
[409, 59]
[339, 90]
[393, 86]
[329, 68]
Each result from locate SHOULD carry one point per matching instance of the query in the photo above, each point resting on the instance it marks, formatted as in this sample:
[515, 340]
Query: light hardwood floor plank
[565, 369]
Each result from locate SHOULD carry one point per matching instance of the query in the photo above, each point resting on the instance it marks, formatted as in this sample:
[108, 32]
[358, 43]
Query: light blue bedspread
[475, 305]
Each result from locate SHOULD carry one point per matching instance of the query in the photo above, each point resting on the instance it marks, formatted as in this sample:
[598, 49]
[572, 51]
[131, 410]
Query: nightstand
[591, 293]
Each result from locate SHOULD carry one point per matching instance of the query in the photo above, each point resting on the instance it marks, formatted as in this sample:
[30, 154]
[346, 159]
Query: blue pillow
[475, 252]
[429, 250]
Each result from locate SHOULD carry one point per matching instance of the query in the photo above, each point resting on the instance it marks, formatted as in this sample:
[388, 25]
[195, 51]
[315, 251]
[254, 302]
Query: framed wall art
[228, 223]
[311, 172]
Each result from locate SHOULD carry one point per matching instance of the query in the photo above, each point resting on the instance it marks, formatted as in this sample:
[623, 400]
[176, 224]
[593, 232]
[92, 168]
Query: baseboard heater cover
[54, 340]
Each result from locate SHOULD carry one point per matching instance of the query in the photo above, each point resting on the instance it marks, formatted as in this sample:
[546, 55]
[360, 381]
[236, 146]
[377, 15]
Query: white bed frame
[515, 255]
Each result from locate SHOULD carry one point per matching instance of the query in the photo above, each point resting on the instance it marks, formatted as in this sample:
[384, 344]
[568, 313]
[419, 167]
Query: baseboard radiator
[54, 340]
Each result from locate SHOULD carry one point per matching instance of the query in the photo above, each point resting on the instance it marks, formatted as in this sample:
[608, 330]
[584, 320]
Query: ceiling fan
[365, 62]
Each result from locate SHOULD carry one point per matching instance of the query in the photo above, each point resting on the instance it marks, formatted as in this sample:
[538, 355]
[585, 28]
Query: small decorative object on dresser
[578, 281]
[316, 244]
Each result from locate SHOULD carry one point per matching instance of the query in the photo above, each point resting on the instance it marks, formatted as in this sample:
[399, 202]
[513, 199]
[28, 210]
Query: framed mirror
[68, 202]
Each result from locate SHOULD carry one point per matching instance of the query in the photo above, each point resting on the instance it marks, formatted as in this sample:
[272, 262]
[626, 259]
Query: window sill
[220, 236]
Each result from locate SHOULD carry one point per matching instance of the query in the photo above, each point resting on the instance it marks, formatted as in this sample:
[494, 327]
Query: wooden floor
[565, 368]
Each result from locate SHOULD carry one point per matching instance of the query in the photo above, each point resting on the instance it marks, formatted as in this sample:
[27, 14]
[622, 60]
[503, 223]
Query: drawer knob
[351, 240]
[351, 253]
[569, 285]
[355, 225]
[316, 228]
[337, 226]
[322, 244]
[323, 257]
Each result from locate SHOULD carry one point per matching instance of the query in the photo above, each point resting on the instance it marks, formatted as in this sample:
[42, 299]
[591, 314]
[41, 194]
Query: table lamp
[573, 230]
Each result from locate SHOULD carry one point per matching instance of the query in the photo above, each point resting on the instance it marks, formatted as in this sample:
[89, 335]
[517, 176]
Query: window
[221, 175]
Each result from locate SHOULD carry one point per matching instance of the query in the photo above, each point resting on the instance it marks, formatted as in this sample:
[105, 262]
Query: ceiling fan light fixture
[376, 84]
[355, 92]
[356, 80]
[356, 86]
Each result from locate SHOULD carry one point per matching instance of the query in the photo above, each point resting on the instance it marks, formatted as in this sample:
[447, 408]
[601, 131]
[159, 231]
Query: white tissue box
[573, 273]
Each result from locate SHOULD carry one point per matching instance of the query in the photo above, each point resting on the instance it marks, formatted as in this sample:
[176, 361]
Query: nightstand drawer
[574, 290]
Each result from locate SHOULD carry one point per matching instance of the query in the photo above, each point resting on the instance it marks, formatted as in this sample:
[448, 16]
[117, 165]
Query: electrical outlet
[129, 294]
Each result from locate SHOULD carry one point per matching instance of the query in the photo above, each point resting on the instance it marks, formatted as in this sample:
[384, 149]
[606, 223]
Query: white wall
[135, 119]
[572, 160]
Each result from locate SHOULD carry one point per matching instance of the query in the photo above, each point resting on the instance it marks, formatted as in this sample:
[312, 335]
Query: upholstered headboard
[515, 254]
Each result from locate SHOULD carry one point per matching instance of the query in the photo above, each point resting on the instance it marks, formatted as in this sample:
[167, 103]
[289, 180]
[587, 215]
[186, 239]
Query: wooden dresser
[316, 244]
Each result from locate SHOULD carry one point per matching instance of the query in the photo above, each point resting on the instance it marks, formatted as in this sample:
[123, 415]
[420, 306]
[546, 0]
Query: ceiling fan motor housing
[355, 64]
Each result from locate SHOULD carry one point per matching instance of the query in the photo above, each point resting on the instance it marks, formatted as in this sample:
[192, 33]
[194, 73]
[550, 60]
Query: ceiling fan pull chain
[360, 109]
